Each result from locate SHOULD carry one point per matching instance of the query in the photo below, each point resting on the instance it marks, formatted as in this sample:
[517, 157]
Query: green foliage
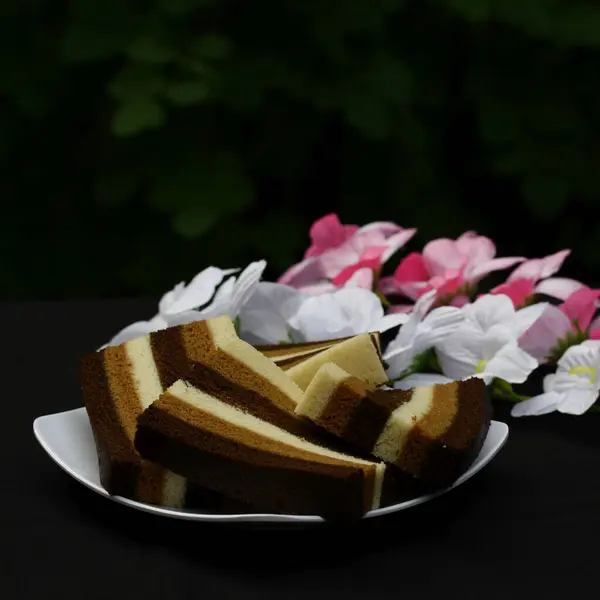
[179, 133]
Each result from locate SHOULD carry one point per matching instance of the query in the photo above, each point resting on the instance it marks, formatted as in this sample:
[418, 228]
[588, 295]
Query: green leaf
[210, 46]
[194, 221]
[150, 49]
[202, 192]
[368, 115]
[137, 116]
[136, 82]
[187, 92]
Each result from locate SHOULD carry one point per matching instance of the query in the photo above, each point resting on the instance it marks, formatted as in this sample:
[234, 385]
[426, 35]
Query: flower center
[586, 371]
[481, 366]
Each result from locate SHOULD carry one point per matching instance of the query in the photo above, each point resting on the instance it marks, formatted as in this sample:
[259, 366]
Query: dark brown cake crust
[118, 461]
[460, 445]
[281, 484]
[173, 363]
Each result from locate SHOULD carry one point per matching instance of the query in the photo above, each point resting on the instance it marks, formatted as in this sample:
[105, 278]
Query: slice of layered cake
[118, 383]
[432, 433]
[360, 356]
[290, 355]
[201, 436]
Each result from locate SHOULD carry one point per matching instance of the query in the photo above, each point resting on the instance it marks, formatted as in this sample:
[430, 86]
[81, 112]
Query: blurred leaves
[213, 131]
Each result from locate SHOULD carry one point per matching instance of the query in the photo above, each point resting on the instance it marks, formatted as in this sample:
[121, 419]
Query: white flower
[486, 344]
[572, 389]
[186, 304]
[421, 380]
[264, 318]
[420, 333]
[342, 313]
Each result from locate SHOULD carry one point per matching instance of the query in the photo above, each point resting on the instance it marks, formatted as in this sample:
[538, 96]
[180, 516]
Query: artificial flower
[336, 247]
[574, 387]
[535, 277]
[186, 304]
[264, 317]
[451, 267]
[342, 313]
[486, 343]
[419, 333]
[562, 326]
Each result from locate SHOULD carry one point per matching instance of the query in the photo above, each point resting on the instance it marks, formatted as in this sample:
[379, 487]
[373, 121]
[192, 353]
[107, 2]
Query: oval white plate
[68, 440]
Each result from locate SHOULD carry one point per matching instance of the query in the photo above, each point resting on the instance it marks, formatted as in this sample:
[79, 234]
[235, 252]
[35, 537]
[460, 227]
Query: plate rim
[250, 517]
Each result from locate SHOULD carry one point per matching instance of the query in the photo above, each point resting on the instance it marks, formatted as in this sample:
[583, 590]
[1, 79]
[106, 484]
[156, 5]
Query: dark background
[143, 141]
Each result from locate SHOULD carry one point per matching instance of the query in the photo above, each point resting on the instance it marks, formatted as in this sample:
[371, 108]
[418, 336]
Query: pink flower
[340, 255]
[451, 267]
[534, 277]
[562, 326]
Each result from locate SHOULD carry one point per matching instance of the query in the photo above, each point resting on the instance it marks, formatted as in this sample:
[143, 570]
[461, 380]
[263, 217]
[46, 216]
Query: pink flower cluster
[351, 256]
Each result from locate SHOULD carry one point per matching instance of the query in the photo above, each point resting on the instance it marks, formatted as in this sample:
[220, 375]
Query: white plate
[68, 440]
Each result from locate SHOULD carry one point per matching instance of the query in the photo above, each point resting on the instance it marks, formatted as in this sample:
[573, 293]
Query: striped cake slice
[432, 433]
[118, 383]
[359, 355]
[201, 436]
[289, 355]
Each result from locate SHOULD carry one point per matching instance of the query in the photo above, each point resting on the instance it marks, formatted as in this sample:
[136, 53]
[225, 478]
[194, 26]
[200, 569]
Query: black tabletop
[526, 526]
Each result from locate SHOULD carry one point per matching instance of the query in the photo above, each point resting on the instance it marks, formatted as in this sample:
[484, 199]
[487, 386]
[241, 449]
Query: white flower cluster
[479, 339]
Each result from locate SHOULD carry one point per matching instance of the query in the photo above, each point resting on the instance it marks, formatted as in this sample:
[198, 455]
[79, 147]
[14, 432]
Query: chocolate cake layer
[360, 356]
[234, 453]
[118, 383]
[236, 372]
[289, 355]
[431, 433]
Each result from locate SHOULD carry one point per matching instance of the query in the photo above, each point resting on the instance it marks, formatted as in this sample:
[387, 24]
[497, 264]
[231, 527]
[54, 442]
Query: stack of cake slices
[192, 416]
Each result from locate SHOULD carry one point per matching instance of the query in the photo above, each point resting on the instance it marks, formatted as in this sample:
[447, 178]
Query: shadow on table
[242, 547]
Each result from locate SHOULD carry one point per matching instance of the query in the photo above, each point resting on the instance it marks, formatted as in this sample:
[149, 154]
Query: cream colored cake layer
[174, 489]
[149, 388]
[357, 356]
[222, 331]
[320, 390]
[391, 442]
[265, 367]
[144, 371]
[197, 398]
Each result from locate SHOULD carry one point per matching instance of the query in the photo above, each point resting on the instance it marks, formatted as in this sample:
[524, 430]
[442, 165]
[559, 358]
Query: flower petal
[397, 241]
[475, 248]
[577, 401]
[545, 332]
[400, 308]
[196, 294]
[526, 317]
[440, 255]
[383, 229]
[539, 268]
[245, 286]
[511, 364]
[459, 354]
[518, 290]
[388, 321]
[490, 310]
[475, 272]
[558, 287]
[421, 380]
[263, 327]
[304, 273]
[580, 306]
[538, 405]
[133, 331]
[326, 233]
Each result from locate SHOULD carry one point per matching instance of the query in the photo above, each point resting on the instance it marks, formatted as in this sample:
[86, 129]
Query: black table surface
[526, 526]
